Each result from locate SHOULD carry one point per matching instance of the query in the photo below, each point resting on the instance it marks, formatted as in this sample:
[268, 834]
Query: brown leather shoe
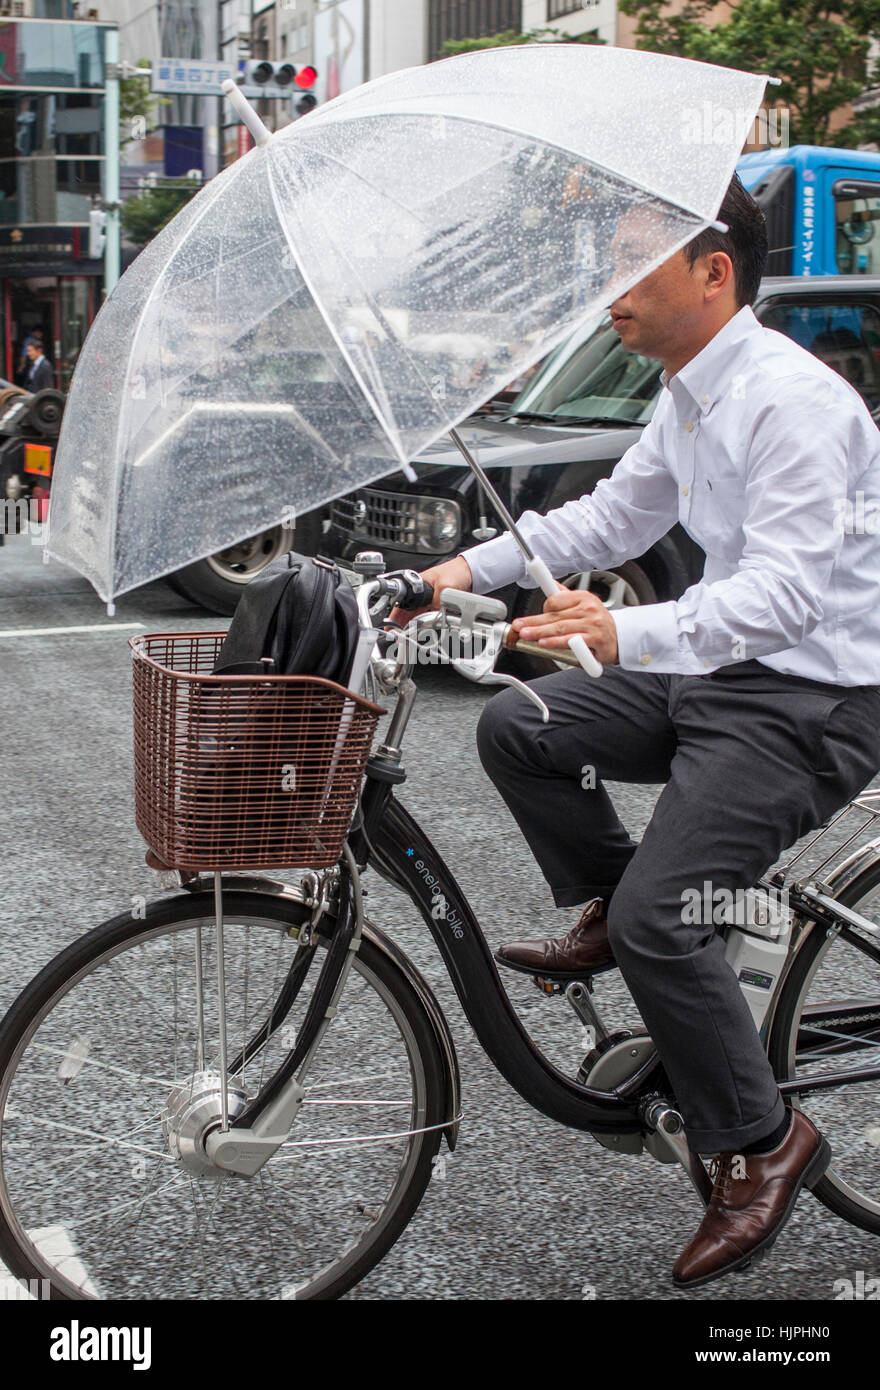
[584, 951]
[746, 1213]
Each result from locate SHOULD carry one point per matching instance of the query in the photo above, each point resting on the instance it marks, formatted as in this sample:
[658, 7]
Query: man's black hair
[745, 241]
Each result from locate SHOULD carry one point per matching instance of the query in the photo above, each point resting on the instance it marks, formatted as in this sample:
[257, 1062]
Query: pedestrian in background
[39, 375]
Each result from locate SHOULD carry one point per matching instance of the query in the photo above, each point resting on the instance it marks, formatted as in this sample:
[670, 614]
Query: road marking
[57, 631]
[55, 1244]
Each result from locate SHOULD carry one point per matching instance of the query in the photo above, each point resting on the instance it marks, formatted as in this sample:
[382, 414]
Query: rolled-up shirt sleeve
[795, 488]
[623, 516]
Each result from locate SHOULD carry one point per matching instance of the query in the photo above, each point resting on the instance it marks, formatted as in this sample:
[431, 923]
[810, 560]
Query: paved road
[526, 1210]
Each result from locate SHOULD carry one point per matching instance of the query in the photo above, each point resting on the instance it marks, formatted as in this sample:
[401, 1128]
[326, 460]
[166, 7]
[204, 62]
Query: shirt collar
[706, 377]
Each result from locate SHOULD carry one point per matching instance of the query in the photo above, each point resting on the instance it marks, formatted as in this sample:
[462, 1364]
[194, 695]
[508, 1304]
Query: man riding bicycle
[754, 698]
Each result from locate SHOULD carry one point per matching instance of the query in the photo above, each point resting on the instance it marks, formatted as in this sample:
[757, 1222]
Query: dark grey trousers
[751, 760]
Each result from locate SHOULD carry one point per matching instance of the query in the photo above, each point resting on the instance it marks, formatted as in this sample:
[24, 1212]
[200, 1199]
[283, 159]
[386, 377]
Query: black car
[584, 407]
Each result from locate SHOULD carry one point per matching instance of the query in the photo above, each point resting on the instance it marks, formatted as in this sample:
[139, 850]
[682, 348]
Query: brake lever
[481, 668]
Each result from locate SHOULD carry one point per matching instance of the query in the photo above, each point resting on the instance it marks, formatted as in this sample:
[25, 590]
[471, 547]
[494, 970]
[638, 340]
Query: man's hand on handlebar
[452, 574]
[565, 613]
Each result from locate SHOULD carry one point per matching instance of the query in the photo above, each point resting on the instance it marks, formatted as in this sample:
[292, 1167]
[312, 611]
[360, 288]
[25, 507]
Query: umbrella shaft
[492, 495]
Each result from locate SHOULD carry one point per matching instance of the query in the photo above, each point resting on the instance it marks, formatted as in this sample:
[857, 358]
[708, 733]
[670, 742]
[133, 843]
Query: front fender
[243, 883]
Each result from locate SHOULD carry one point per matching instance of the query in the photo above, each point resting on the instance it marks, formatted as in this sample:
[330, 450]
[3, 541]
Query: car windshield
[591, 376]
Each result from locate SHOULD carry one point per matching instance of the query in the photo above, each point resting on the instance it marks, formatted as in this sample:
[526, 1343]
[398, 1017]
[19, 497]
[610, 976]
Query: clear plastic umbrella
[359, 282]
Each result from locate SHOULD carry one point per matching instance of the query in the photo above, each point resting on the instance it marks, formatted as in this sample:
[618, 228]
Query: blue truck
[822, 207]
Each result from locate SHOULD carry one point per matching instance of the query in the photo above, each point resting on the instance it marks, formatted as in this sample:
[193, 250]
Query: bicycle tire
[53, 982]
[828, 1190]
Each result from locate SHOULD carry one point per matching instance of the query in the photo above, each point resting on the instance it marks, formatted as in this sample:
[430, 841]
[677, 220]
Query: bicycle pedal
[548, 987]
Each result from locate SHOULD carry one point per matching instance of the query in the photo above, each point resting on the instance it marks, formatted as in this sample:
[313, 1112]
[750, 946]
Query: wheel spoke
[834, 983]
[88, 1151]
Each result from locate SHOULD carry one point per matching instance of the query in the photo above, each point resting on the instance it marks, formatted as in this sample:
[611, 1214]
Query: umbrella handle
[545, 581]
[246, 112]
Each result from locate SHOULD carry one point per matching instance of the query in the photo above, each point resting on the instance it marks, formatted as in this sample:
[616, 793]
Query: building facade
[52, 156]
[184, 128]
[575, 17]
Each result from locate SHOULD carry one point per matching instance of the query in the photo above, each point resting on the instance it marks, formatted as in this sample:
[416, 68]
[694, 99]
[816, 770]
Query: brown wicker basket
[244, 772]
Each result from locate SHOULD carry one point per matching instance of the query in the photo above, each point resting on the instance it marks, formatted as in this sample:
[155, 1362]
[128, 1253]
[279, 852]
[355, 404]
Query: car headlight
[438, 524]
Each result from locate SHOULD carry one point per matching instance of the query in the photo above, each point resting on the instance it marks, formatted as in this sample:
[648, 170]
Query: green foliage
[137, 106]
[512, 36]
[145, 214]
[820, 51]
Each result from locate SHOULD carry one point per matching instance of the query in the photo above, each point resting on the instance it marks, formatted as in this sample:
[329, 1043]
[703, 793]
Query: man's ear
[719, 274]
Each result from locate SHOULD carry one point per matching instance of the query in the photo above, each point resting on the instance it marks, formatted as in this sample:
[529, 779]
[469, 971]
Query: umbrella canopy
[291, 334]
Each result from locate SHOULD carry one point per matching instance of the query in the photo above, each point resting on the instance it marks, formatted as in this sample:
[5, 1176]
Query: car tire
[624, 586]
[218, 582]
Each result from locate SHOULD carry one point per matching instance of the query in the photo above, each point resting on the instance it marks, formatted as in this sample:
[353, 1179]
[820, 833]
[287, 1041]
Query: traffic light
[97, 234]
[260, 78]
[305, 78]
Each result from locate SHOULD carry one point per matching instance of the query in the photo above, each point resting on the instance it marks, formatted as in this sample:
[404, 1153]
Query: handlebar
[410, 591]
[405, 588]
[470, 616]
[563, 654]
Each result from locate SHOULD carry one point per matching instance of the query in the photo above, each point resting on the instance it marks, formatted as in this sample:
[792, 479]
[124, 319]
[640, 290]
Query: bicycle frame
[392, 839]
[402, 852]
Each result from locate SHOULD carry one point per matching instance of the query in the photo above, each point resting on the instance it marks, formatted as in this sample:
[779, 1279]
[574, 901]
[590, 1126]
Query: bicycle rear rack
[868, 803]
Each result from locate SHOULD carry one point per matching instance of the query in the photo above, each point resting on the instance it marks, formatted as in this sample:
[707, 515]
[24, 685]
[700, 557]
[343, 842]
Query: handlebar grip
[535, 649]
[419, 593]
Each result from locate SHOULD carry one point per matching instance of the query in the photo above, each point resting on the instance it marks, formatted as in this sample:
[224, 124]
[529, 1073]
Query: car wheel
[625, 586]
[218, 581]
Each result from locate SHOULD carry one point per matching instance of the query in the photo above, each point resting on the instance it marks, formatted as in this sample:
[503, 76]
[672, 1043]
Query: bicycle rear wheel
[828, 1018]
[92, 1198]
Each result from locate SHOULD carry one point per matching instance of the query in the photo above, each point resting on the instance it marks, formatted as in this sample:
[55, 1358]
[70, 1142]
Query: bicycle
[181, 1120]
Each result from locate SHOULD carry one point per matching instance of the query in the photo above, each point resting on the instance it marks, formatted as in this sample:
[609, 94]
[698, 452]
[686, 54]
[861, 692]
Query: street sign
[191, 76]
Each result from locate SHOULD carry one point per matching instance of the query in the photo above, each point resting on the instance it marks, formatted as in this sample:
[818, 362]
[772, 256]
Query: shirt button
[704, 400]
[685, 490]
[645, 660]
[689, 426]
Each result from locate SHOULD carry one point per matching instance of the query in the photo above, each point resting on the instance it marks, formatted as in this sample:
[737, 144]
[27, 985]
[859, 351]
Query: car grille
[383, 519]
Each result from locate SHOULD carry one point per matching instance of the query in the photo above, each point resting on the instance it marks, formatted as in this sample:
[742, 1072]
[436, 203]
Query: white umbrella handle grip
[549, 586]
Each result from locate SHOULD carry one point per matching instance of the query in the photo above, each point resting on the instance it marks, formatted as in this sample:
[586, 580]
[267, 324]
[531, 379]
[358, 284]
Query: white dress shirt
[771, 462]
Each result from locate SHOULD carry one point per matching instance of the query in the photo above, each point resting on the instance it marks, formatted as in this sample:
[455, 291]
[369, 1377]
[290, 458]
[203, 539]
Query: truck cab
[822, 207]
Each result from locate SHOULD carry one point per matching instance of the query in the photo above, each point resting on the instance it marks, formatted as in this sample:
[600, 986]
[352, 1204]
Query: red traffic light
[306, 77]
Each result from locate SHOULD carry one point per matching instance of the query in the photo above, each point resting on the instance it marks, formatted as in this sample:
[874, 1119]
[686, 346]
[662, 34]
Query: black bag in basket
[300, 614]
[299, 617]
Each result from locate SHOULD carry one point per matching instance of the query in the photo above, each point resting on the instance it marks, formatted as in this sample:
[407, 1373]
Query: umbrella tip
[111, 610]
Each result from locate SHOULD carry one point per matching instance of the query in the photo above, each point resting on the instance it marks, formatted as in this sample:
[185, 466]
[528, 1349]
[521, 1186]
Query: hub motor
[192, 1110]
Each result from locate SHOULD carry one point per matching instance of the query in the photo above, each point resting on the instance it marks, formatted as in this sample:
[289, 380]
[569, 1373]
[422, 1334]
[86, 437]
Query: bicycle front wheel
[98, 1199]
[828, 1019]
